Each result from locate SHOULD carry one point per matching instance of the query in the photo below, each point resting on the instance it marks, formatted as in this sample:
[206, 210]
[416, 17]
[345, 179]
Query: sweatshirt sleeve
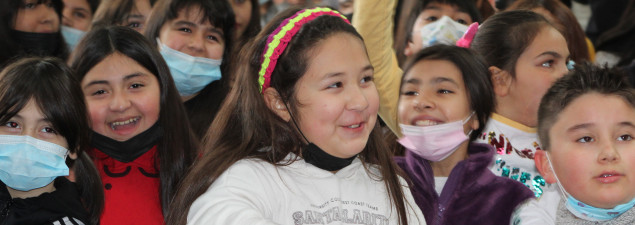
[373, 19]
[232, 199]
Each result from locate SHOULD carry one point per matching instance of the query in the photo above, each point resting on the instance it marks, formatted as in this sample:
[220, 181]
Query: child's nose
[422, 102]
[608, 154]
[196, 45]
[357, 99]
[119, 102]
[48, 14]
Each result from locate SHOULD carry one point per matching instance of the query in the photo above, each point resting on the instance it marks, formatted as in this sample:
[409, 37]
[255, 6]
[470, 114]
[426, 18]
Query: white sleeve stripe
[57, 223]
[77, 221]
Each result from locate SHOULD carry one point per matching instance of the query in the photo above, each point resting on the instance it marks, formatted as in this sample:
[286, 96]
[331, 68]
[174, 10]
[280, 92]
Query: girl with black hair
[195, 37]
[142, 141]
[44, 132]
[31, 27]
[77, 18]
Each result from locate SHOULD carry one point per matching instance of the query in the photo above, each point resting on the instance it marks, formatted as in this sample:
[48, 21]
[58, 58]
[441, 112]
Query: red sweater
[131, 189]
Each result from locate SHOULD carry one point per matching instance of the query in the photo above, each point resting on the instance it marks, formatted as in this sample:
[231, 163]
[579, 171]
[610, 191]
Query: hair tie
[281, 36]
[467, 38]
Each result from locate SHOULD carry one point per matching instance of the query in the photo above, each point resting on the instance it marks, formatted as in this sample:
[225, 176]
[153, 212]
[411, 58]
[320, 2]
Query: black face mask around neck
[127, 151]
[40, 44]
[316, 156]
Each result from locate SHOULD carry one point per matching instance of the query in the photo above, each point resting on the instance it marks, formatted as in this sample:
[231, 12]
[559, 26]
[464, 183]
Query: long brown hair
[245, 124]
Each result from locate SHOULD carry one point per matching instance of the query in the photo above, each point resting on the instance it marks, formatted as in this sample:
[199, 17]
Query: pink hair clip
[467, 38]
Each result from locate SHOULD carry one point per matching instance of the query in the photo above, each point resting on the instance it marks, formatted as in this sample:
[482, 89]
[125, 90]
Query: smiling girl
[298, 140]
[445, 99]
[195, 38]
[142, 142]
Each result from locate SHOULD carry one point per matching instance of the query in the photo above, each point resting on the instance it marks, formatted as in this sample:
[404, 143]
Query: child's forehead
[440, 5]
[596, 110]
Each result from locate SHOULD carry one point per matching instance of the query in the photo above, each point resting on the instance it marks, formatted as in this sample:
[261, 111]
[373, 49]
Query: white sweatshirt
[515, 146]
[540, 211]
[253, 191]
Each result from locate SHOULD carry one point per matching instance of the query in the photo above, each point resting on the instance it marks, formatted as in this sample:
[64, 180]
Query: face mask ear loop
[562, 191]
[465, 121]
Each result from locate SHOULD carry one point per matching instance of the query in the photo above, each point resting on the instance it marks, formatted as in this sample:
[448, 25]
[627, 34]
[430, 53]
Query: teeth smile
[606, 175]
[354, 126]
[132, 120]
[426, 123]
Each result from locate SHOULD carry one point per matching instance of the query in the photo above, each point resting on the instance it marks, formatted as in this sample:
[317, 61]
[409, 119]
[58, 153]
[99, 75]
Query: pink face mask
[434, 143]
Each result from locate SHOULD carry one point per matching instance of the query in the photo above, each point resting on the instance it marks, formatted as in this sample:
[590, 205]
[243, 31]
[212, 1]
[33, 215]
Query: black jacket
[63, 206]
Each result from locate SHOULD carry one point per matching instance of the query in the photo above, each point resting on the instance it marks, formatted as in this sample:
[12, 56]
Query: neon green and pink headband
[280, 38]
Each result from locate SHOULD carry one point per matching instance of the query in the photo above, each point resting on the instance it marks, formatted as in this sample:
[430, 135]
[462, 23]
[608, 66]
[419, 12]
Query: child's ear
[275, 103]
[72, 155]
[501, 80]
[542, 164]
[409, 50]
[475, 124]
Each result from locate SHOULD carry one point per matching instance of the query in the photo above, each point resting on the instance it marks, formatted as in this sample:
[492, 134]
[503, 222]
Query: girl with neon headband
[299, 142]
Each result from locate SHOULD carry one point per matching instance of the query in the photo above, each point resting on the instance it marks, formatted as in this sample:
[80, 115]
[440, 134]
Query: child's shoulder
[540, 210]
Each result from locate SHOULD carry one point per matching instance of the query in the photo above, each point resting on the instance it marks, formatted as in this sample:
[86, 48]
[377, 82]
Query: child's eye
[185, 29]
[80, 15]
[626, 137]
[461, 21]
[410, 93]
[98, 92]
[443, 91]
[367, 79]
[136, 85]
[134, 25]
[585, 139]
[432, 18]
[12, 124]
[29, 5]
[49, 130]
[548, 64]
[335, 85]
[213, 38]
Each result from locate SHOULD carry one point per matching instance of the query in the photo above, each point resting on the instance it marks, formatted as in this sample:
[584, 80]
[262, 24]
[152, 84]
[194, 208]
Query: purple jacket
[472, 193]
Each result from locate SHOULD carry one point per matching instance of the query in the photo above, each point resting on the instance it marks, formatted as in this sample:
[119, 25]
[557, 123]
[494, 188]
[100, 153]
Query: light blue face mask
[587, 212]
[27, 163]
[191, 74]
[72, 36]
[570, 64]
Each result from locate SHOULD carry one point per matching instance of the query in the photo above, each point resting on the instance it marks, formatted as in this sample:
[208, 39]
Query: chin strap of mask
[316, 156]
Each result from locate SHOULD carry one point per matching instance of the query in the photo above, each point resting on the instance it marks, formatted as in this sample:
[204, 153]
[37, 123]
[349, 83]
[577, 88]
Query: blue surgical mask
[191, 74]
[570, 64]
[587, 212]
[72, 36]
[27, 163]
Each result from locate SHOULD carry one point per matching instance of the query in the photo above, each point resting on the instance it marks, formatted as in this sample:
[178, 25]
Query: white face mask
[443, 31]
[434, 143]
